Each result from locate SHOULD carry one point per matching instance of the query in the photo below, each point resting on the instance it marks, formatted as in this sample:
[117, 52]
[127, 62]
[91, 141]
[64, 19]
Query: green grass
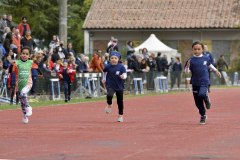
[43, 103]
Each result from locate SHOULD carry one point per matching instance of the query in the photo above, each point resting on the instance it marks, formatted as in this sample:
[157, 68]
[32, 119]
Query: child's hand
[90, 70]
[60, 76]
[218, 74]
[69, 71]
[104, 81]
[188, 64]
[121, 76]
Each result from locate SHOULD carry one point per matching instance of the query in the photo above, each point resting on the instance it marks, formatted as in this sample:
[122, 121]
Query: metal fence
[89, 84]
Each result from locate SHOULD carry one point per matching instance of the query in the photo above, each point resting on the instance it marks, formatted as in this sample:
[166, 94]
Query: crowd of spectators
[142, 63]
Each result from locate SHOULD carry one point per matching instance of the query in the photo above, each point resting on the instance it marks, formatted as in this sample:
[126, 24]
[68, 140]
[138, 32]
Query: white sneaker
[120, 119]
[28, 111]
[108, 109]
[25, 119]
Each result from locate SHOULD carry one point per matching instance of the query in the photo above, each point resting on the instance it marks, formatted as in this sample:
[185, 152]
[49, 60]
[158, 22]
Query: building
[176, 23]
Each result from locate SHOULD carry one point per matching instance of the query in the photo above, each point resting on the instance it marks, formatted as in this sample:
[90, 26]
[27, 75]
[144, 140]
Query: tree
[77, 12]
[63, 20]
[43, 17]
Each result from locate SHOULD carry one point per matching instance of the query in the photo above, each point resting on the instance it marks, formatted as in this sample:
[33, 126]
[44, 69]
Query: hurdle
[89, 83]
[3, 89]
[54, 82]
[161, 84]
[137, 81]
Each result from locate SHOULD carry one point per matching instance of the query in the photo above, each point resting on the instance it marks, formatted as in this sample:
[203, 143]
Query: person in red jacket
[23, 27]
[66, 74]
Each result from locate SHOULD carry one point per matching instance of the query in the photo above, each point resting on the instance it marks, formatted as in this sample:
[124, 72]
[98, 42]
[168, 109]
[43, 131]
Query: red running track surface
[161, 127]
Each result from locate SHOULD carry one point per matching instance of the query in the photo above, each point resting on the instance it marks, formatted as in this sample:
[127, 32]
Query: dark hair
[196, 43]
[26, 47]
[129, 43]
[159, 54]
[24, 17]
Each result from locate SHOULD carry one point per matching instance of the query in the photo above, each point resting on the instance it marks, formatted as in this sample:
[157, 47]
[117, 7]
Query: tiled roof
[163, 14]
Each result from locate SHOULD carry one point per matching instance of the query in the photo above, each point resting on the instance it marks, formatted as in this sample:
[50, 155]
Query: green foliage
[43, 17]
[77, 12]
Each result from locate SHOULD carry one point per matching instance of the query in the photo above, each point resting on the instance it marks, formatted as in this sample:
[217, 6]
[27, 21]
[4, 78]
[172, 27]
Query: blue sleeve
[208, 61]
[4, 52]
[211, 59]
[106, 68]
[123, 69]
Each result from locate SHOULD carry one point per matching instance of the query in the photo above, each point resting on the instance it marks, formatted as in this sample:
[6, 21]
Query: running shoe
[28, 111]
[108, 109]
[120, 119]
[208, 103]
[25, 119]
[203, 119]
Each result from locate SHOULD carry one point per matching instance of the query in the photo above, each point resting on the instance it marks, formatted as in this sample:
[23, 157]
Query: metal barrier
[3, 89]
[55, 85]
[89, 83]
[135, 82]
[235, 79]
[161, 84]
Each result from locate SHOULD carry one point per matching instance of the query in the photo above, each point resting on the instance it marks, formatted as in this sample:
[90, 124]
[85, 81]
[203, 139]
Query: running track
[162, 127]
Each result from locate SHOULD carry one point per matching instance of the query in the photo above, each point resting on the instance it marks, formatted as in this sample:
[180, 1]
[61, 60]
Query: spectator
[145, 68]
[7, 39]
[2, 51]
[11, 77]
[113, 46]
[23, 27]
[48, 64]
[176, 71]
[96, 64]
[145, 53]
[61, 51]
[159, 64]
[130, 49]
[151, 75]
[55, 56]
[27, 41]
[3, 24]
[10, 23]
[208, 54]
[66, 74]
[165, 65]
[110, 42]
[105, 59]
[134, 65]
[5, 32]
[53, 44]
[222, 64]
[69, 51]
[35, 72]
[16, 41]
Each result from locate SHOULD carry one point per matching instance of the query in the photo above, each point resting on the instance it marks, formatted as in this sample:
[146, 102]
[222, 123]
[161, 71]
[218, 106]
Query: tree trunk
[63, 21]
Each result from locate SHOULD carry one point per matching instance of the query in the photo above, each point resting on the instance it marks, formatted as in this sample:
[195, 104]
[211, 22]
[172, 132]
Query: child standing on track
[22, 69]
[199, 66]
[113, 76]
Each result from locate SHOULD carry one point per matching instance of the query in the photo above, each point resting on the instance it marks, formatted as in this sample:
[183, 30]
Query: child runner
[199, 65]
[22, 69]
[113, 76]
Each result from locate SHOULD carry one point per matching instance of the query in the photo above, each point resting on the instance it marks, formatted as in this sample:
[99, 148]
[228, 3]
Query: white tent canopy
[154, 45]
